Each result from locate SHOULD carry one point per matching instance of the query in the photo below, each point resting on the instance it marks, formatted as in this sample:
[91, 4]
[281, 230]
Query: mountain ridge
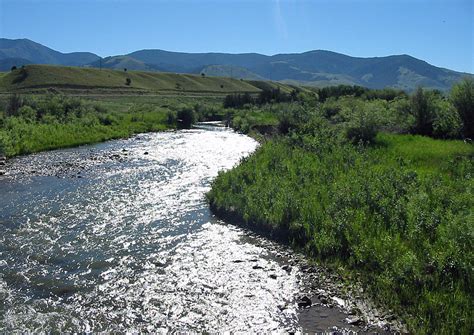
[314, 67]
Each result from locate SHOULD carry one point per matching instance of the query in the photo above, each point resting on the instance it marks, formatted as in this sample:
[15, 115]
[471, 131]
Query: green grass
[397, 215]
[53, 122]
[423, 154]
[46, 76]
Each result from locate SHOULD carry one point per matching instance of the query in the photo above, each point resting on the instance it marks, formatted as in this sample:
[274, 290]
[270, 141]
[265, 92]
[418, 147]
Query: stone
[304, 302]
[354, 321]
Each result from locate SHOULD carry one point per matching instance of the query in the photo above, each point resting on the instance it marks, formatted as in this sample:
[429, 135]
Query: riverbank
[394, 215]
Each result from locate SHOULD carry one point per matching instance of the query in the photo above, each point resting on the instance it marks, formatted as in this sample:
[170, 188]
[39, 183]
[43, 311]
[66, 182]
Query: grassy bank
[401, 219]
[347, 184]
[38, 123]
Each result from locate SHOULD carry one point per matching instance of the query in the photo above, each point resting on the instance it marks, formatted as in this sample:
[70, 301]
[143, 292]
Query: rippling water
[118, 236]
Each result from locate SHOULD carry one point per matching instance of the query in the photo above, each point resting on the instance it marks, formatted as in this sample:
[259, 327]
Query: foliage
[447, 123]
[399, 212]
[14, 104]
[422, 110]
[54, 121]
[186, 117]
[462, 96]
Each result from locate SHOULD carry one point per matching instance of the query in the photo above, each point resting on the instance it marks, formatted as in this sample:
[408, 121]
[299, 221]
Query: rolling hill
[34, 77]
[313, 68]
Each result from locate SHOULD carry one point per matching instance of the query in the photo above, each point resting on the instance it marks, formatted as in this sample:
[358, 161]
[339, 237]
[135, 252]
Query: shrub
[128, 81]
[186, 117]
[107, 119]
[363, 127]
[171, 117]
[447, 123]
[462, 96]
[27, 113]
[422, 110]
[14, 103]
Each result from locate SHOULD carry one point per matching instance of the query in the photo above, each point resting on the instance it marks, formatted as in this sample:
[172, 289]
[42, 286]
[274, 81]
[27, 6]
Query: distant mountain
[39, 54]
[7, 63]
[313, 68]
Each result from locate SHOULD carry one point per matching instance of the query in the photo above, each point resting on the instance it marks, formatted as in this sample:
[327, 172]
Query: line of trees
[358, 91]
[265, 96]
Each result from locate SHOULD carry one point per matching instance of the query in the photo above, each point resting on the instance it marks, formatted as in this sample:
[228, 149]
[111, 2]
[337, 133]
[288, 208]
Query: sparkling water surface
[118, 237]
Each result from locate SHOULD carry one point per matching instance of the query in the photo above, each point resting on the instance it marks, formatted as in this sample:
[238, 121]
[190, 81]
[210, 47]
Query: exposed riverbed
[118, 237]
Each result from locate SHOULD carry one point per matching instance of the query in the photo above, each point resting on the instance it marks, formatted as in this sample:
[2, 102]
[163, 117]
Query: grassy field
[59, 77]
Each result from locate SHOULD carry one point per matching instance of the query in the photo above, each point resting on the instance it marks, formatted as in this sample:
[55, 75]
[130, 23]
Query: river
[118, 237]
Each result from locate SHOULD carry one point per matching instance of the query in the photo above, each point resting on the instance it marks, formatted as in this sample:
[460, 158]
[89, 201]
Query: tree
[462, 96]
[422, 110]
[128, 81]
[203, 74]
[125, 69]
[13, 68]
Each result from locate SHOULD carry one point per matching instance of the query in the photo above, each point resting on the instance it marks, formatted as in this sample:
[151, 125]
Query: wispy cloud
[280, 23]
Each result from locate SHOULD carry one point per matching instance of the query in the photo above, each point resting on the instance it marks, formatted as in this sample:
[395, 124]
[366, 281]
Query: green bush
[14, 103]
[423, 112]
[28, 113]
[186, 117]
[171, 117]
[462, 96]
[363, 126]
[447, 123]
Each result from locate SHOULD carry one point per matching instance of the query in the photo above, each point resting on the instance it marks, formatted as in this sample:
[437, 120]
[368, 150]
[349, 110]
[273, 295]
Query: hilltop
[33, 77]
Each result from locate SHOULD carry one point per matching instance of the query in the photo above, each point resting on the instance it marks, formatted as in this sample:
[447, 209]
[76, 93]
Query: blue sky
[440, 32]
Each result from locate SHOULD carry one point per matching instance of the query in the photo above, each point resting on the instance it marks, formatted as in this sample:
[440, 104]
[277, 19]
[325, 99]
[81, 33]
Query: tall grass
[57, 122]
[399, 215]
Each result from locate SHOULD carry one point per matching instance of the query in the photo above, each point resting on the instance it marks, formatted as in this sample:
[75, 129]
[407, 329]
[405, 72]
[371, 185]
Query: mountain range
[312, 68]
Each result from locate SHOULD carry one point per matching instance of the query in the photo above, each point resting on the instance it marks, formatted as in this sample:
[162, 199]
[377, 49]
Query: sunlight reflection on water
[132, 245]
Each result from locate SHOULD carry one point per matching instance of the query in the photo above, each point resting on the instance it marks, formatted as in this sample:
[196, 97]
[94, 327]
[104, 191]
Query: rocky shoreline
[3, 162]
[326, 297]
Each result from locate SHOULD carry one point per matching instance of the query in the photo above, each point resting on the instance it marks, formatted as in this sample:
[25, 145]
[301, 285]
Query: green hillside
[46, 76]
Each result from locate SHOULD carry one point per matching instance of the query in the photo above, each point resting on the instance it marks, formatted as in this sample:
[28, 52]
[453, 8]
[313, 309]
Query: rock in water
[304, 302]
[355, 321]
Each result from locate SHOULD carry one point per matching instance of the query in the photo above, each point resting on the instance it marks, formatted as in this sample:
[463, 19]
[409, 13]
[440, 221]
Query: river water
[118, 237]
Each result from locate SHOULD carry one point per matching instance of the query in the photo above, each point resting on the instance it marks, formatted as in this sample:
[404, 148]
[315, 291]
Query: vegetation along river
[118, 237]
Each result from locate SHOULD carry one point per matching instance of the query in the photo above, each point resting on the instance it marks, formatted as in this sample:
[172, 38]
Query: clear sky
[440, 32]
